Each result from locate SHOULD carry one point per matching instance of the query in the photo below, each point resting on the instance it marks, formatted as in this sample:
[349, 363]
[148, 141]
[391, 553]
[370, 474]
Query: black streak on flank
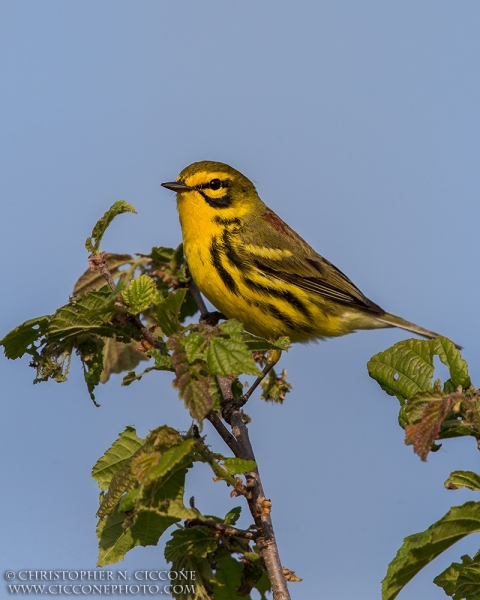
[229, 251]
[294, 302]
[222, 272]
[282, 317]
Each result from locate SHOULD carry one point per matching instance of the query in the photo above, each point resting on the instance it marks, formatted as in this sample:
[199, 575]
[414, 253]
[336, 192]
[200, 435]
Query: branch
[259, 505]
[222, 528]
[226, 436]
[240, 445]
[98, 262]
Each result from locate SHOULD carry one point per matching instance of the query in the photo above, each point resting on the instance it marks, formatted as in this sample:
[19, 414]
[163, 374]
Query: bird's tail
[394, 321]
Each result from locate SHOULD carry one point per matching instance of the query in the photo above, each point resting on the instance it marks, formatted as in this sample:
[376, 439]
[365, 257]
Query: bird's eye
[215, 184]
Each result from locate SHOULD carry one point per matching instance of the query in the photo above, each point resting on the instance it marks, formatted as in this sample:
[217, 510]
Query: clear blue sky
[359, 123]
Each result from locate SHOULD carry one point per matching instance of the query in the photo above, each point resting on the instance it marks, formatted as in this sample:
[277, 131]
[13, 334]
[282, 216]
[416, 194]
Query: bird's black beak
[176, 186]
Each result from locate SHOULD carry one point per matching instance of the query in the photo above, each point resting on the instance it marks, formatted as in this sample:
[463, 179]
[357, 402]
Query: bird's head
[215, 188]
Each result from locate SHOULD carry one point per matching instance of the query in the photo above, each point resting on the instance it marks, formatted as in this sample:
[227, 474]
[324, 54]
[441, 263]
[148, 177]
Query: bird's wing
[284, 255]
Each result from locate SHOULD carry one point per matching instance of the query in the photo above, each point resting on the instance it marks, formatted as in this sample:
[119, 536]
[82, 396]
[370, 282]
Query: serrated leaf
[232, 516]
[232, 327]
[196, 541]
[448, 578]
[194, 345]
[238, 465]
[461, 581]
[420, 549]
[139, 294]
[451, 357]
[115, 457]
[407, 368]
[92, 243]
[172, 459]
[91, 313]
[404, 369]
[92, 280]
[21, 340]
[459, 479]
[160, 507]
[423, 434]
[192, 384]
[230, 357]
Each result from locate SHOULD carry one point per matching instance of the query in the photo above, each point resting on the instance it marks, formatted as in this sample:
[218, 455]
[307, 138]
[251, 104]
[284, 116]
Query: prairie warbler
[253, 267]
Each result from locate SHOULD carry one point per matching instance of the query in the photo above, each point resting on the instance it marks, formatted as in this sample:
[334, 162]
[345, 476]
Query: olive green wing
[280, 252]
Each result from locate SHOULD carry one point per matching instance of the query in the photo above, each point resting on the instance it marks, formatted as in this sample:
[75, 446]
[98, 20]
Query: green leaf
[407, 368]
[118, 535]
[229, 573]
[257, 344]
[189, 307]
[196, 541]
[239, 465]
[459, 479]
[230, 357]
[21, 340]
[462, 581]
[232, 516]
[451, 357]
[90, 349]
[115, 457]
[204, 578]
[194, 345]
[233, 328]
[192, 383]
[92, 243]
[127, 501]
[404, 369]
[448, 578]
[173, 302]
[420, 549]
[167, 312]
[90, 313]
[139, 294]
[172, 459]
[114, 542]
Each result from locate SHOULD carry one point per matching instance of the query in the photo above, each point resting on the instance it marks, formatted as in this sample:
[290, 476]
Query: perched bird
[253, 267]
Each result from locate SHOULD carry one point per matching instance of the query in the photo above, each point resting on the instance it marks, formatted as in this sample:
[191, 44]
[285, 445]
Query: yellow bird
[254, 268]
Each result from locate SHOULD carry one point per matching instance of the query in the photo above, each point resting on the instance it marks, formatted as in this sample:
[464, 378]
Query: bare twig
[98, 262]
[226, 436]
[223, 528]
